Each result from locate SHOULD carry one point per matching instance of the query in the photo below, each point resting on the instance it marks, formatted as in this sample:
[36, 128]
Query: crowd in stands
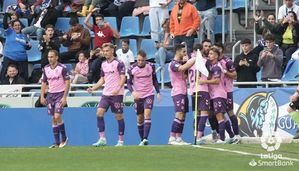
[168, 26]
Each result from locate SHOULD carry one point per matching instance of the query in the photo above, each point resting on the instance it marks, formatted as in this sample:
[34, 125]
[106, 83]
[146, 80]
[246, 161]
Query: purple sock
[197, 121]
[121, 127]
[213, 123]
[62, 131]
[175, 125]
[56, 134]
[235, 125]
[228, 129]
[201, 126]
[101, 124]
[147, 127]
[222, 130]
[140, 130]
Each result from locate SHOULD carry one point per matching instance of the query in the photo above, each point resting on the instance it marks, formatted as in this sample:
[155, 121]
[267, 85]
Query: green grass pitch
[168, 158]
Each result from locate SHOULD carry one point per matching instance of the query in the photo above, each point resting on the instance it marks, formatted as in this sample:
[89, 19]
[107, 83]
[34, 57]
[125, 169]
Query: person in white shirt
[125, 54]
[288, 5]
[157, 14]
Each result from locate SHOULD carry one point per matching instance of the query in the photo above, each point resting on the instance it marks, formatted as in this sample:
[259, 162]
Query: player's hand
[63, 101]
[43, 101]
[201, 82]
[135, 95]
[159, 97]
[89, 90]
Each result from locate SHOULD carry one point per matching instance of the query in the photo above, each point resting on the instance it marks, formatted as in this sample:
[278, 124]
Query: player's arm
[43, 88]
[212, 81]
[121, 69]
[232, 75]
[130, 81]
[156, 84]
[97, 85]
[187, 65]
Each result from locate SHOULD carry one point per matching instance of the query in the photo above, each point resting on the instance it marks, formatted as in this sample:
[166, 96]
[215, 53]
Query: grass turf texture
[139, 158]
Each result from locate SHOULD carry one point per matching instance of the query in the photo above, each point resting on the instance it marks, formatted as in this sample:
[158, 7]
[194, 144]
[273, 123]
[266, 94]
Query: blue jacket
[15, 46]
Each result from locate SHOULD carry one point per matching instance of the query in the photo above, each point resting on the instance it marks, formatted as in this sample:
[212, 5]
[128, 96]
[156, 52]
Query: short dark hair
[99, 15]
[126, 41]
[219, 45]
[178, 47]
[13, 65]
[206, 40]
[110, 45]
[270, 37]
[74, 21]
[141, 53]
[246, 41]
[197, 46]
[49, 26]
[54, 51]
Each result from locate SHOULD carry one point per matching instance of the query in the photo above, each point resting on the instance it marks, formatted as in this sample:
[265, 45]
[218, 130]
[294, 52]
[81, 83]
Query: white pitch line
[241, 152]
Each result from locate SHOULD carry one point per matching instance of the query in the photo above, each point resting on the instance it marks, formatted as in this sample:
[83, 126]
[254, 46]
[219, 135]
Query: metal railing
[234, 49]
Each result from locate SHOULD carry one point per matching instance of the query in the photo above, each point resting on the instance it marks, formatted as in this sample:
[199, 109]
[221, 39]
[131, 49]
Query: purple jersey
[55, 78]
[178, 79]
[228, 65]
[143, 80]
[192, 80]
[111, 71]
[217, 90]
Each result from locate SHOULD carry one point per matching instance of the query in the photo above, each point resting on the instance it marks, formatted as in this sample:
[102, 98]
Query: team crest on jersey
[258, 115]
[149, 101]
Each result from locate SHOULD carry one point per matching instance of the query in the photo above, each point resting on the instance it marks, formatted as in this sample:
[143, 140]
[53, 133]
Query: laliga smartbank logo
[271, 159]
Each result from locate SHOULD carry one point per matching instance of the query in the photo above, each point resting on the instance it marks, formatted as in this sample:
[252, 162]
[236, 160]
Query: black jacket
[295, 32]
[16, 80]
[49, 18]
[247, 73]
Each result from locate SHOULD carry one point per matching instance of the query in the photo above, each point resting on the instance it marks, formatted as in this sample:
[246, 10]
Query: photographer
[270, 60]
[103, 32]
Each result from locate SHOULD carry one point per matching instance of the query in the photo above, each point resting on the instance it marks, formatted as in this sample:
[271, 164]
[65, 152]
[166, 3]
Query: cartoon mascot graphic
[258, 115]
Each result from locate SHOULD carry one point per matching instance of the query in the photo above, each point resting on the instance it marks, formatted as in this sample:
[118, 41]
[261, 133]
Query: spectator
[79, 75]
[289, 29]
[121, 8]
[89, 5]
[164, 45]
[94, 65]
[263, 27]
[48, 42]
[246, 65]
[48, 15]
[12, 76]
[9, 16]
[15, 48]
[184, 21]
[157, 14]
[103, 32]
[77, 39]
[286, 8]
[125, 54]
[270, 60]
[207, 9]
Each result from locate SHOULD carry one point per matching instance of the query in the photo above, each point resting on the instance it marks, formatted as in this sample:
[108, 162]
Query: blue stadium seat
[149, 47]
[291, 72]
[146, 27]
[62, 24]
[237, 4]
[129, 27]
[24, 21]
[63, 49]
[34, 54]
[112, 22]
[219, 4]
[218, 25]
[81, 21]
[37, 66]
[6, 3]
[166, 74]
[69, 67]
